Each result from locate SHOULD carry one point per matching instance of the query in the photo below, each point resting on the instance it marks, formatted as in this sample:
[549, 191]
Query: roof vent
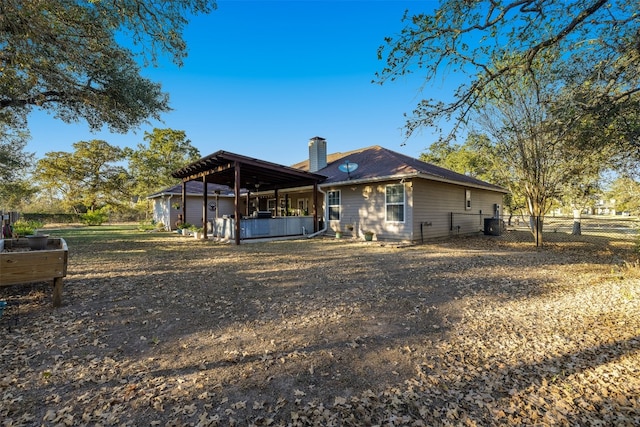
[317, 154]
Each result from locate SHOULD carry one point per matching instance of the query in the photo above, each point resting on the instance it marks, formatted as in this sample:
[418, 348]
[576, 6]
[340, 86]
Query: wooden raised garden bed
[19, 263]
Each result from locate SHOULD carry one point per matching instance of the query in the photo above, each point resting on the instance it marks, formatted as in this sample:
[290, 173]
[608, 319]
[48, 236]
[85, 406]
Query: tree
[151, 166]
[466, 158]
[591, 46]
[626, 193]
[15, 164]
[62, 56]
[87, 179]
[13, 158]
[538, 162]
[474, 158]
[14, 195]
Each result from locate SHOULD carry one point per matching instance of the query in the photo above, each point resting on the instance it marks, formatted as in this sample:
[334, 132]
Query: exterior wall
[363, 206]
[428, 208]
[194, 211]
[433, 203]
[164, 212]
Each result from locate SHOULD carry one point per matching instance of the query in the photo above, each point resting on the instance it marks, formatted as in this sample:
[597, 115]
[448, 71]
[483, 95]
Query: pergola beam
[234, 170]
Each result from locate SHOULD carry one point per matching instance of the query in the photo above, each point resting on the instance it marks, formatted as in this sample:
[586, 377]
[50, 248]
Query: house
[167, 204]
[399, 197]
[375, 189]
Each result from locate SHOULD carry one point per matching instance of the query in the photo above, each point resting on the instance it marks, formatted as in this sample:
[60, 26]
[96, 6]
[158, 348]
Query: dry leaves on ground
[165, 330]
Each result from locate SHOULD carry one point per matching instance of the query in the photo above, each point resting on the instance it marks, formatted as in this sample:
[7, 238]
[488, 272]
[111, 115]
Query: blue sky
[263, 77]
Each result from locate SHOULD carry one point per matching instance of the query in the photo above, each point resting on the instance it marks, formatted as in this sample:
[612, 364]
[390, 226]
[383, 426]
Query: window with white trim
[333, 202]
[467, 199]
[394, 203]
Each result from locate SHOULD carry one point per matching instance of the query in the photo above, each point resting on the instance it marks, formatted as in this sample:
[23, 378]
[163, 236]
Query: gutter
[326, 222]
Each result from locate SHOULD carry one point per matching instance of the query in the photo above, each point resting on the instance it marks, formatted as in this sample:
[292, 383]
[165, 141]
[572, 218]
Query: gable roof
[376, 163]
[194, 188]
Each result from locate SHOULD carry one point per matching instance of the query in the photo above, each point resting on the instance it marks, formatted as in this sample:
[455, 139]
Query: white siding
[162, 212]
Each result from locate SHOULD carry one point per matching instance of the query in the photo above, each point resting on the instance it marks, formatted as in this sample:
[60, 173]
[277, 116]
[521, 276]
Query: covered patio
[249, 176]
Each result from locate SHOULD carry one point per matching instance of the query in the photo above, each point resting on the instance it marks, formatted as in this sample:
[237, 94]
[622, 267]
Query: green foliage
[15, 165]
[26, 227]
[581, 58]
[151, 166]
[13, 159]
[150, 225]
[87, 178]
[62, 57]
[51, 218]
[95, 217]
[626, 193]
[467, 159]
[474, 158]
[15, 194]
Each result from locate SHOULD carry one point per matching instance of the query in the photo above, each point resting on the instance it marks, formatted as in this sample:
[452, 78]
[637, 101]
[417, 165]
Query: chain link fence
[593, 228]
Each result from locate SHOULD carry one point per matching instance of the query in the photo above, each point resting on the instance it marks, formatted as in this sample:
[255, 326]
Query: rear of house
[372, 189]
[401, 198]
[168, 204]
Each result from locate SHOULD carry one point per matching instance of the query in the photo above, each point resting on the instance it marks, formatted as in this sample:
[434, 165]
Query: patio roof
[221, 167]
[241, 172]
[194, 188]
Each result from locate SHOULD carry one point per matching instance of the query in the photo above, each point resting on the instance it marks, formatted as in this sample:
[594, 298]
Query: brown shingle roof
[377, 163]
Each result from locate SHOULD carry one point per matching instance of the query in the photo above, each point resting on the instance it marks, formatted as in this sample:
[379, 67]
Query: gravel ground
[159, 329]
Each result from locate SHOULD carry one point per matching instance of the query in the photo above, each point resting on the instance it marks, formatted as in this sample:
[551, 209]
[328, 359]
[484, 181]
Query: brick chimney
[317, 153]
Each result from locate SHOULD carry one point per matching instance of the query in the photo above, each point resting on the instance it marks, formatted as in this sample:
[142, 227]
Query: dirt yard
[163, 330]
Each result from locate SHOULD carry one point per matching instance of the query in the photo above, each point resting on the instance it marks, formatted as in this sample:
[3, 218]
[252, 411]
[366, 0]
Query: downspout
[167, 226]
[326, 221]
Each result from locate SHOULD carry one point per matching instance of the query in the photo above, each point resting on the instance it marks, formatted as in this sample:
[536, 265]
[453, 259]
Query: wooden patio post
[184, 202]
[236, 167]
[204, 207]
[315, 207]
[277, 211]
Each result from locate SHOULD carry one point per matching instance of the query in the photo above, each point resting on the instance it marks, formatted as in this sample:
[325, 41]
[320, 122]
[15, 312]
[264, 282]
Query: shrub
[26, 227]
[150, 225]
[95, 217]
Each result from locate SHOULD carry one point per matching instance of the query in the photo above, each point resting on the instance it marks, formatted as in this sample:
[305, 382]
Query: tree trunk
[577, 225]
[536, 220]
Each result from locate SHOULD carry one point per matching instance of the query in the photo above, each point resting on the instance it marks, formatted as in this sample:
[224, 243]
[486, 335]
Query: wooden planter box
[19, 264]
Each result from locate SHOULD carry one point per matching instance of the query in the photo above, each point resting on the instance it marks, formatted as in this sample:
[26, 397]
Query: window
[303, 207]
[333, 200]
[394, 201]
[467, 199]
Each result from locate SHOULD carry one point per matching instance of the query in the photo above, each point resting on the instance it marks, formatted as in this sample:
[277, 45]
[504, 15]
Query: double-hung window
[333, 201]
[394, 202]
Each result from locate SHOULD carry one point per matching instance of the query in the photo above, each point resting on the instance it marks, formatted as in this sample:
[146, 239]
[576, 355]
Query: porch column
[315, 207]
[277, 212]
[184, 202]
[204, 206]
[237, 214]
